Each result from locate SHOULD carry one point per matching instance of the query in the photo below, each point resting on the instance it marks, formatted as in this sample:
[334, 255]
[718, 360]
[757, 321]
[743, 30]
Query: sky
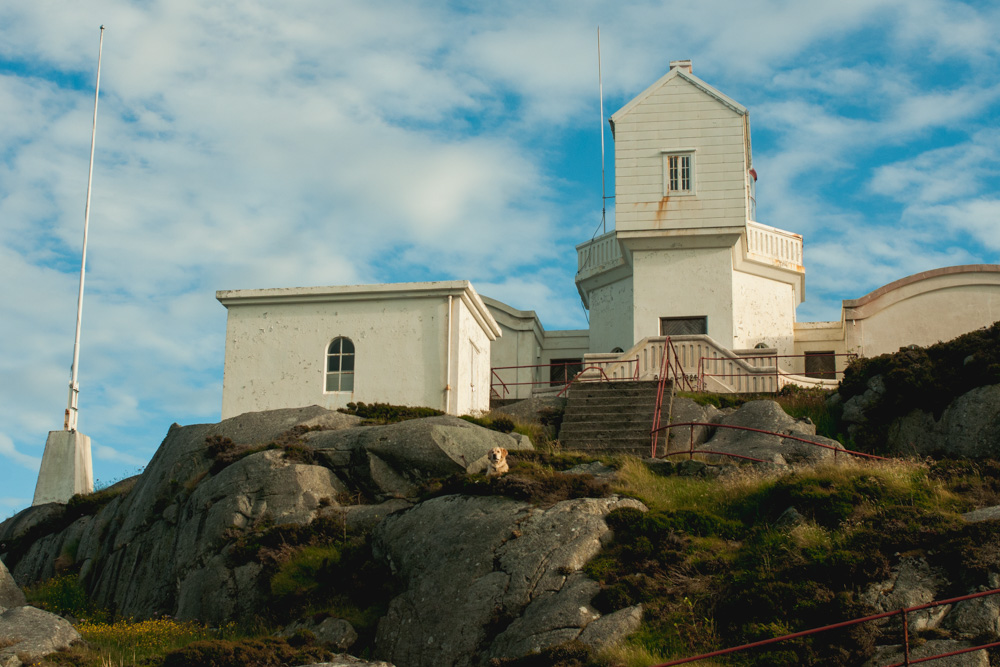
[255, 144]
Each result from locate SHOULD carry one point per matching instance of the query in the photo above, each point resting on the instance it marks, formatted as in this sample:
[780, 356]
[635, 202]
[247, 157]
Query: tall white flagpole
[72, 409]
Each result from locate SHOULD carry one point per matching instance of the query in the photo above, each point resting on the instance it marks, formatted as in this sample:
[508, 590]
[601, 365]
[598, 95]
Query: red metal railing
[670, 366]
[907, 660]
[775, 371]
[499, 384]
[691, 451]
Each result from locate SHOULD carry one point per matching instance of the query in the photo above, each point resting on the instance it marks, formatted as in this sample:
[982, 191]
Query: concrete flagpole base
[67, 468]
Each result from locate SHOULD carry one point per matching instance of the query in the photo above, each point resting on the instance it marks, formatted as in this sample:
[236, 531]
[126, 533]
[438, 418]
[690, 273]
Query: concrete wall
[276, 344]
[923, 309]
[611, 316]
[763, 312]
[684, 283]
[680, 113]
[518, 348]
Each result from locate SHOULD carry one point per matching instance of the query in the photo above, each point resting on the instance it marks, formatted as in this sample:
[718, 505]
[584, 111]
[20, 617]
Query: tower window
[340, 365]
[678, 173]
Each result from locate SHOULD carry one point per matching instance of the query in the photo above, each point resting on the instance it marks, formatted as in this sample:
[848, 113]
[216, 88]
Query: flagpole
[72, 409]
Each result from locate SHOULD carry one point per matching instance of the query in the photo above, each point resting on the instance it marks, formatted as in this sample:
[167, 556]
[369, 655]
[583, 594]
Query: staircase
[609, 416]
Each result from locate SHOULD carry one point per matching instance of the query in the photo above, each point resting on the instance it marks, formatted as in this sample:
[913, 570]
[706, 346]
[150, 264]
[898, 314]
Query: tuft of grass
[63, 595]
[385, 413]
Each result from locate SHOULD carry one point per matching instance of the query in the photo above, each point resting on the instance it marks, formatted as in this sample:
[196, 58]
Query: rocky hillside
[387, 541]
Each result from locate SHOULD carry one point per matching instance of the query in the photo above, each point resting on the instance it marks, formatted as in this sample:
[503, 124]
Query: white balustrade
[771, 244]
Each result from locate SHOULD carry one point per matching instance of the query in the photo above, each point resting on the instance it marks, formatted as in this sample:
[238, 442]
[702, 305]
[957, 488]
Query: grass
[713, 568]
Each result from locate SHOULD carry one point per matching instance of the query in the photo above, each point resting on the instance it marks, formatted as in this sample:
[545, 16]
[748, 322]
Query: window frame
[340, 373]
[702, 320]
[685, 154]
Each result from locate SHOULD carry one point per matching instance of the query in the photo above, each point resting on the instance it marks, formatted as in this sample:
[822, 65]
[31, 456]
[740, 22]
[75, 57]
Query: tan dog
[497, 458]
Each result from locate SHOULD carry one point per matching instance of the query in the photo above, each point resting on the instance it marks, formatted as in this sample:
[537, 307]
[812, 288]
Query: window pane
[335, 346]
[347, 346]
[332, 364]
[347, 382]
[331, 381]
[347, 362]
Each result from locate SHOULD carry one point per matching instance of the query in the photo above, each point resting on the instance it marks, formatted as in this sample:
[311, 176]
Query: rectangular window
[563, 370]
[678, 173]
[683, 326]
[821, 365]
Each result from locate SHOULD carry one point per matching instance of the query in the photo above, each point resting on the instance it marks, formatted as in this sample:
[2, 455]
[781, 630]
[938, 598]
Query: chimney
[683, 65]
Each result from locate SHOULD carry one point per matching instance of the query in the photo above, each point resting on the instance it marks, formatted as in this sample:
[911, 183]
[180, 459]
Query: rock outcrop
[769, 416]
[162, 548]
[490, 577]
[10, 592]
[31, 634]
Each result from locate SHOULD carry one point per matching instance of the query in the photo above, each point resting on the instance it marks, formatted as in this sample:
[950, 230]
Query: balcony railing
[603, 250]
[774, 246]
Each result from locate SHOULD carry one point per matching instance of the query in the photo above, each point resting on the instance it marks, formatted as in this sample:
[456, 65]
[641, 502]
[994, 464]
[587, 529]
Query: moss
[385, 413]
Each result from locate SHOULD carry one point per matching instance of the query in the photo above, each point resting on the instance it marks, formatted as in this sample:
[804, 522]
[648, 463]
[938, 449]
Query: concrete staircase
[609, 416]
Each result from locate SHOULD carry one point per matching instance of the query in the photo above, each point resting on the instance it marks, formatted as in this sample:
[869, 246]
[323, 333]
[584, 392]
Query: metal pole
[72, 410]
[600, 85]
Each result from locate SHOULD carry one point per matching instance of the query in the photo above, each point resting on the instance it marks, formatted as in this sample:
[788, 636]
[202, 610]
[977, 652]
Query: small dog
[497, 461]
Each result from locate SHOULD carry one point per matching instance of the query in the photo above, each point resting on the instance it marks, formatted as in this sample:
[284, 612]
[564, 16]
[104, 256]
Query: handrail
[844, 624]
[576, 377]
[678, 377]
[775, 370]
[783, 436]
[502, 384]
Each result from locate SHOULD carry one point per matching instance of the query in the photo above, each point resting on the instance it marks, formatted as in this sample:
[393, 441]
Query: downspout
[447, 377]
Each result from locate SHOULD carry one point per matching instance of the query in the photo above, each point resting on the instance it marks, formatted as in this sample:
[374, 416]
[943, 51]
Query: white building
[688, 259]
[419, 344]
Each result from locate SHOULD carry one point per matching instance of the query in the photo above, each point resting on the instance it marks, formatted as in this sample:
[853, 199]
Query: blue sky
[244, 145]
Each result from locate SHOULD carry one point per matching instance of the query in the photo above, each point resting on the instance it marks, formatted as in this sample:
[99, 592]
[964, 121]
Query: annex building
[688, 259]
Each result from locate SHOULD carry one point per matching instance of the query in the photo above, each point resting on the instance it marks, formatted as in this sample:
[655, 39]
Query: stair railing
[670, 367]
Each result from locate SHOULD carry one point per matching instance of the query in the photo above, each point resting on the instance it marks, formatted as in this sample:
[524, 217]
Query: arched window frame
[340, 358]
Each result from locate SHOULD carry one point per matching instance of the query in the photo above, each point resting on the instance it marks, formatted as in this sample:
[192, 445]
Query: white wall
[923, 309]
[518, 348]
[763, 312]
[276, 344]
[677, 114]
[684, 283]
[611, 316]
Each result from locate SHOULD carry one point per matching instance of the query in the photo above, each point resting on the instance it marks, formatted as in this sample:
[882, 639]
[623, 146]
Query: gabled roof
[666, 78]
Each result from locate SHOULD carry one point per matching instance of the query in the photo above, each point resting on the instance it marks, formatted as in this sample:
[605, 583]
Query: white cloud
[7, 450]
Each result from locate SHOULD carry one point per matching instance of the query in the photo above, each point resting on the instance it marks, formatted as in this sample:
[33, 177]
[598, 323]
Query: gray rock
[769, 416]
[595, 468]
[684, 411]
[36, 634]
[969, 427]
[983, 514]
[612, 628]
[856, 408]
[789, 519]
[10, 593]
[333, 631]
[472, 566]
[892, 655]
[978, 616]
[911, 583]
[533, 409]
[345, 660]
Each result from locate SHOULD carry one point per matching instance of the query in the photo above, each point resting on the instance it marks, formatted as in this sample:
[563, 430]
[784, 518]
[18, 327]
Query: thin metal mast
[72, 410]
[600, 86]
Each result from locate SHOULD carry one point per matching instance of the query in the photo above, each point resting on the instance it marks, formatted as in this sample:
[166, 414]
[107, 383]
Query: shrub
[267, 652]
[384, 413]
[63, 595]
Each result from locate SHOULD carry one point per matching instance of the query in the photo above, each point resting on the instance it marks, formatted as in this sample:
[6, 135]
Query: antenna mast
[600, 86]
[72, 410]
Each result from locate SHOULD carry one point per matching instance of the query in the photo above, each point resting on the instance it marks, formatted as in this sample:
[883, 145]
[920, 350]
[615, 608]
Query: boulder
[345, 660]
[769, 416]
[856, 408]
[488, 577]
[34, 633]
[684, 411]
[911, 583]
[969, 427]
[10, 592]
[333, 631]
[612, 628]
[893, 655]
[392, 461]
[975, 617]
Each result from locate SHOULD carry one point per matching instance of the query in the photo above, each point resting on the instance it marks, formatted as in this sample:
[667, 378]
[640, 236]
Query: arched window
[340, 365]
